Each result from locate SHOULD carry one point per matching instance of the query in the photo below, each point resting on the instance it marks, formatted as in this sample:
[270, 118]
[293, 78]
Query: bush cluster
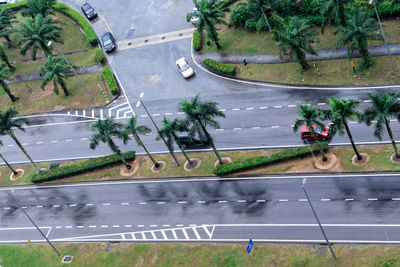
[254, 162]
[225, 3]
[110, 79]
[90, 34]
[14, 6]
[100, 57]
[220, 67]
[79, 168]
[197, 41]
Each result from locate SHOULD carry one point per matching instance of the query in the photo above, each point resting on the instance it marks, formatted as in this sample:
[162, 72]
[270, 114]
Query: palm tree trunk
[10, 95]
[266, 19]
[9, 65]
[211, 142]
[391, 138]
[156, 164]
[365, 55]
[8, 165]
[64, 87]
[342, 16]
[359, 157]
[181, 148]
[115, 149]
[324, 158]
[12, 135]
[301, 57]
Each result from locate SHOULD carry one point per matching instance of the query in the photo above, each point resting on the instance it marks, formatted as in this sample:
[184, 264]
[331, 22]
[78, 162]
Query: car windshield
[89, 10]
[107, 41]
[184, 67]
[318, 129]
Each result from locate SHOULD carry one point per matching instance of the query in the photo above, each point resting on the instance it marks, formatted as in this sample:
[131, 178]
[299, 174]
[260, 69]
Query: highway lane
[353, 208]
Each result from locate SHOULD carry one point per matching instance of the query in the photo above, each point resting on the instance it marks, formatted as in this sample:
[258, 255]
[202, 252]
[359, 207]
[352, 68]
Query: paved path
[274, 58]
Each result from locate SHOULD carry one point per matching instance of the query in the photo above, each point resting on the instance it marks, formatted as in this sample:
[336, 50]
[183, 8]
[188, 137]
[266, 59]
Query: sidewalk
[274, 58]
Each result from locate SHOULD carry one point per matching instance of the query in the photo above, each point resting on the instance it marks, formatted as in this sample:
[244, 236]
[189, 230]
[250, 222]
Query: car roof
[107, 35]
[86, 6]
[181, 61]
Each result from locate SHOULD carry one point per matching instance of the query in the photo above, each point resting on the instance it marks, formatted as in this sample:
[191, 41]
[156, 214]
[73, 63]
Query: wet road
[354, 208]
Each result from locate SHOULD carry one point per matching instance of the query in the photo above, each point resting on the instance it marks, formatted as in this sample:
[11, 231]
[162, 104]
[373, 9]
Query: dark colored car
[193, 143]
[108, 42]
[322, 134]
[89, 11]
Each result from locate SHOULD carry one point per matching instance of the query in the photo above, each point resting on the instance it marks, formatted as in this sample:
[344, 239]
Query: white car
[194, 19]
[184, 68]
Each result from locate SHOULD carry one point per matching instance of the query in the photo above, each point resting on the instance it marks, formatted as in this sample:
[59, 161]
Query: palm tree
[198, 116]
[169, 130]
[334, 8]
[34, 7]
[37, 33]
[136, 130]
[5, 76]
[55, 69]
[8, 123]
[4, 58]
[7, 17]
[359, 29]
[105, 131]
[209, 14]
[381, 108]
[257, 10]
[6, 162]
[310, 117]
[339, 113]
[295, 39]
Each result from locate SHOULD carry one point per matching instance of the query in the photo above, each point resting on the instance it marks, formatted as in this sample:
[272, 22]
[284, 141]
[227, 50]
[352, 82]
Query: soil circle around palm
[196, 163]
[365, 159]
[160, 168]
[324, 165]
[224, 159]
[20, 173]
[394, 159]
[134, 168]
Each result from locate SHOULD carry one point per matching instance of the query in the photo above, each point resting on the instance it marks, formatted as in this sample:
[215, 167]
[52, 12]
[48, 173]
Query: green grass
[128, 254]
[333, 72]
[49, 101]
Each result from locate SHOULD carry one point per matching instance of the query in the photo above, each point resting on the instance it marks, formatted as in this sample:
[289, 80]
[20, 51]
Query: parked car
[194, 19]
[322, 133]
[108, 42]
[89, 11]
[184, 68]
[192, 143]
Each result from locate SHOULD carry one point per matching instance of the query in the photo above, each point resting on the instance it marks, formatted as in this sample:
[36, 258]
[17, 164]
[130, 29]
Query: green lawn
[130, 254]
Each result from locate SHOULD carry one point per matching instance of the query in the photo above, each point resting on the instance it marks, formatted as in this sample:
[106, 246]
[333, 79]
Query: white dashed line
[54, 141]
[85, 138]
[236, 109]
[168, 114]
[256, 127]
[349, 199]
[56, 206]
[277, 106]
[263, 107]
[143, 116]
[127, 225]
[68, 227]
[241, 201]
[161, 202]
[181, 113]
[222, 110]
[182, 202]
[283, 200]
[80, 226]
[352, 122]
[179, 225]
[124, 203]
[72, 205]
[372, 199]
[156, 115]
[106, 204]
[68, 140]
[115, 226]
[38, 143]
[303, 200]
[291, 106]
[10, 145]
[39, 206]
[249, 108]
[395, 199]
[192, 225]
[142, 203]
[201, 202]
[325, 199]
[92, 226]
[104, 226]
[140, 225]
[153, 225]
[7, 208]
[321, 104]
[24, 207]
[260, 200]
[237, 129]
[367, 101]
[219, 130]
[222, 201]
[58, 227]
[89, 204]
[275, 126]
[166, 225]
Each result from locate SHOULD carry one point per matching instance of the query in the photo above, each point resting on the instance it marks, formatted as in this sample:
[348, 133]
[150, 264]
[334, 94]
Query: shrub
[110, 79]
[90, 34]
[220, 67]
[100, 57]
[239, 15]
[254, 162]
[225, 3]
[79, 168]
[14, 6]
[251, 25]
[197, 41]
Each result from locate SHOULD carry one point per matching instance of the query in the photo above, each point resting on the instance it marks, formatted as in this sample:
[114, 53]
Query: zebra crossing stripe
[174, 234]
[184, 233]
[197, 234]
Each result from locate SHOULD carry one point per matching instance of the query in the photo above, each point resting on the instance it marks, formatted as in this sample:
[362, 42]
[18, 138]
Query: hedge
[254, 162]
[14, 6]
[225, 3]
[220, 67]
[100, 57]
[79, 168]
[90, 34]
[110, 79]
[197, 42]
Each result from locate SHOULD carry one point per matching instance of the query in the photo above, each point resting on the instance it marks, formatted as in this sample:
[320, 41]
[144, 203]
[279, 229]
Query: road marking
[106, 204]
[291, 106]
[127, 225]
[153, 225]
[92, 113]
[58, 227]
[174, 234]
[321, 104]
[277, 106]
[274, 127]
[89, 204]
[325, 199]
[24, 207]
[140, 225]
[39, 206]
[143, 236]
[222, 110]
[80, 226]
[201, 202]
[182, 202]
[241, 200]
[72, 205]
[143, 116]
[115, 226]
[92, 226]
[160, 202]
[68, 227]
[101, 113]
[197, 234]
[168, 114]
[179, 225]
[396, 199]
[372, 199]
[260, 200]
[142, 203]
[353, 122]
[367, 101]
[156, 115]
[85, 138]
[283, 200]
[54, 141]
[236, 109]
[256, 127]
[303, 200]
[56, 206]
[219, 130]
[7, 208]
[263, 107]
[181, 113]
[237, 129]
[38, 143]
[164, 235]
[249, 108]
[184, 233]
[84, 113]
[124, 203]
[349, 199]
[68, 140]
[222, 201]
[10, 145]
[192, 225]
[166, 225]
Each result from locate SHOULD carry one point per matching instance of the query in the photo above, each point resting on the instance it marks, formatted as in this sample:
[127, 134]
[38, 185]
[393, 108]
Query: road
[352, 208]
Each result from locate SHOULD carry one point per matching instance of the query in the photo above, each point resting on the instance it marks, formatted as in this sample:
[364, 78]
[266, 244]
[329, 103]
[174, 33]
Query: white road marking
[153, 225]
[143, 116]
[260, 200]
[168, 114]
[84, 113]
[236, 109]
[161, 202]
[85, 138]
[241, 200]
[89, 204]
[92, 226]
[222, 201]
[353, 122]
[56, 206]
[68, 227]
[303, 200]
[283, 200]
[222, 110]
[372, 199]
[321, 104]
[184, 233]
[142, 203]
[325, 199]
[76, 113]
[54, 141]
[38, 143]
[263, 107]
[10, 145]
[277, 106]
[237, 129]
[182, 202]
[192, 225]
[219, 130]
[80, 226]
[181, 113]
[101, 113]
[197, 234]
[275, 126]
[58, 227]
[72, 205]
[166, 225]
[291, 106]
[39, 206]
[143, 236]
[174, 234]
[367, 101]
[179, 225]
[201, 202]
[156, 115]
[164, 235]
[106, 204]
[140, 225]
[7, 208]
[256, 127]
[68, 140]
[395, 199]
[124, 203]
[127, 225]
[115, 226]
[349, 199]
[249, 108]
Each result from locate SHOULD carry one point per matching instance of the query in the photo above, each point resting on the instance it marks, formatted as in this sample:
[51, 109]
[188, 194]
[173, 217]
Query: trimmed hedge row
[197, 44]
[66, 10]
[254, 162]
[100, 57]
[220, 67]
[14, 6]
[110, 79]
[79, 168]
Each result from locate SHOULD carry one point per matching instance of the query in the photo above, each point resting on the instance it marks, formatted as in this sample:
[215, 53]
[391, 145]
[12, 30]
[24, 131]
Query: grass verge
[198, 255]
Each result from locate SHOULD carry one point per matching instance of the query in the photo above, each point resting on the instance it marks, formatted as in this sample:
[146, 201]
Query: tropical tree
[6, 162]
[4, 58]
[55, 70]
[106, 130]
[5, 76]
[310, 117]
[257, 10]
[34, 7]
[9, 123]
[335, 9]
[7, 17]
[131, 127]
[359, 29]
[37, 33]
[383, 107]
[169, 130]
[295, 39]
[339, 113]
[200, 114]
[209, 14]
